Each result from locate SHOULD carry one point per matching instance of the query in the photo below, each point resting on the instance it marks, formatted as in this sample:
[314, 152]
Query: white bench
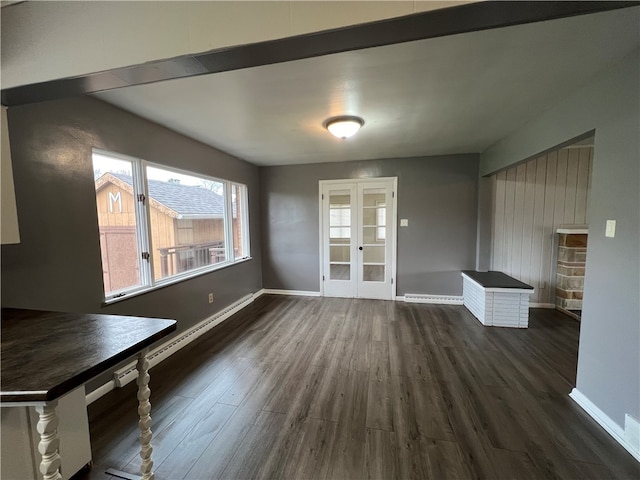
[496, 299]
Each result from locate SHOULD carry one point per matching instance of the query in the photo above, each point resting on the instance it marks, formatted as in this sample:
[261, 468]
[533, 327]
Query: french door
[358, 236]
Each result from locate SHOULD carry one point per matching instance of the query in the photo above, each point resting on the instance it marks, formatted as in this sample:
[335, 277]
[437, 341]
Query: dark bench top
[496, 280]
[48, 354]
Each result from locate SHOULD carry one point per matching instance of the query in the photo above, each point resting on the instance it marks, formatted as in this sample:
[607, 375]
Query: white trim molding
[632, 434]
[435, 299]
[550, 306]
[628, 437]
[128, 373]
[300, 293]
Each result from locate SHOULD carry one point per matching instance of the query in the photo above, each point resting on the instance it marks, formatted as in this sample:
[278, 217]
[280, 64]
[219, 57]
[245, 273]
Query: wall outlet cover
[610, 230]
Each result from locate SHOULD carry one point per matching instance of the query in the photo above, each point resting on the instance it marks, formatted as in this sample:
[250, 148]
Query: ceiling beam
[431, 24]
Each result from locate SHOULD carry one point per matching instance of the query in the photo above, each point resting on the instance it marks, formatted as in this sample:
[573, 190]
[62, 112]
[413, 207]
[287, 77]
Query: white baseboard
[436, 299]
[301, 293]
[627, 437]
[129, 373]
[632, 434]
[542, 305]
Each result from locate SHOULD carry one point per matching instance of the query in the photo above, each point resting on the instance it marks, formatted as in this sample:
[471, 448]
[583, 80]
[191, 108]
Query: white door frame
[394, 224]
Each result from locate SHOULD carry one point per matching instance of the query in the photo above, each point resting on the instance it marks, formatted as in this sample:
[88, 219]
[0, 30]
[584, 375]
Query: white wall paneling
[530, 201]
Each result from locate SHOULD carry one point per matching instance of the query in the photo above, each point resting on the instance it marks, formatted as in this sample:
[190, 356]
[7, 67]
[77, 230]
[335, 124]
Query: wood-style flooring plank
[127, 448]
[381, 455]
[310, 459]
[175, 456]
[444, 459]
[221, 450]
[299, 386]
[326, 346]
[379, 404]
[300, 450]
[204, 416]
[248, 459]
[348, 449]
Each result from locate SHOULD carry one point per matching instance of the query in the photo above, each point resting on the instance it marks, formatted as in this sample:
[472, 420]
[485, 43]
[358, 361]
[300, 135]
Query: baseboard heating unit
[436, 299]
[128, 373]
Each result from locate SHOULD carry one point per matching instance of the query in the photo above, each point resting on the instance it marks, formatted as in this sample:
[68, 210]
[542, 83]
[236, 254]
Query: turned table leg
[49, 442]
[144, 410]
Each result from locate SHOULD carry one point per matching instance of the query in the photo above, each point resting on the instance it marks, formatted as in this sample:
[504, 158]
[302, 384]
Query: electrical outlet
[211, 298]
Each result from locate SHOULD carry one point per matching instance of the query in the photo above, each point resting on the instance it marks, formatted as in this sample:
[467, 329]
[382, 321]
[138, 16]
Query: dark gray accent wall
[57, 264]
[436, 194]
[609, 354]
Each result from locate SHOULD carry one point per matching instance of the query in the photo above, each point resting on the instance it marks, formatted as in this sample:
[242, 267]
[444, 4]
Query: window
[381, 219]
[159, 225]
[340, 216]
[239, 223]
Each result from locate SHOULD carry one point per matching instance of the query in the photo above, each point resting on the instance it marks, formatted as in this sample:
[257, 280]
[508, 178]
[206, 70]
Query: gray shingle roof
[184, 199]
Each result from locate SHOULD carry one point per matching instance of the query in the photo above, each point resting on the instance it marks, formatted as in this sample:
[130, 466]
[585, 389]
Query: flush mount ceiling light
[343, 126]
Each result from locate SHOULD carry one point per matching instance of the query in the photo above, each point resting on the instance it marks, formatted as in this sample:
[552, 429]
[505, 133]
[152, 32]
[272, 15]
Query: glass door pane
[374, 233]
[340, 235]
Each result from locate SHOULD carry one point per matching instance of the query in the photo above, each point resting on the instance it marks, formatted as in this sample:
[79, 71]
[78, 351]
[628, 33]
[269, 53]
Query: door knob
[359, 248]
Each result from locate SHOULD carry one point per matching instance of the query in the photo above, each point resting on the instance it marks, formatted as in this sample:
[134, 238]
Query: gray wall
[485, 221]
[57, 264]
[436, 194]
[609, 353]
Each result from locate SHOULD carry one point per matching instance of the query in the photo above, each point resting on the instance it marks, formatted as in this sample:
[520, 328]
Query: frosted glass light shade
[343, 127]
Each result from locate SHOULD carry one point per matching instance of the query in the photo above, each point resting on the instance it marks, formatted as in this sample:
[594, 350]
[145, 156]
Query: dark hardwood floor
[298, 387]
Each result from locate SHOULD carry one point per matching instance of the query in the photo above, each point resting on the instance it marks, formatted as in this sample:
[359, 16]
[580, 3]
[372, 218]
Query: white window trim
[245, 221]
[143, 217]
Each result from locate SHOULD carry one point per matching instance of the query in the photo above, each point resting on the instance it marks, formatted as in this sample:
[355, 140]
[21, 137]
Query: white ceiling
[456, 94]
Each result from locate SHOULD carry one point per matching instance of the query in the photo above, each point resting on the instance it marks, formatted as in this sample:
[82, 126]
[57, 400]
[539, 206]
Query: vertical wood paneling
[571, 189]
[518, 220]
[527, 219]
[530, 202]
[547, 260]
[509, 208]
[560, 187]
[582, 188]
[499, 186]
[537, 238]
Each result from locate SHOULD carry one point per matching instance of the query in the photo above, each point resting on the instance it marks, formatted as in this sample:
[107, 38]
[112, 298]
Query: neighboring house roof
[187, 201]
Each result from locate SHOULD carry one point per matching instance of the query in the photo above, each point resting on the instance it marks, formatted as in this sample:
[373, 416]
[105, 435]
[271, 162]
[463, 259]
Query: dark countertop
[496, 280]
[47, 354]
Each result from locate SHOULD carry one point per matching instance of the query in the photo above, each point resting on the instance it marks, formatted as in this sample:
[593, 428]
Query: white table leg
[49, 442]
[144, 410]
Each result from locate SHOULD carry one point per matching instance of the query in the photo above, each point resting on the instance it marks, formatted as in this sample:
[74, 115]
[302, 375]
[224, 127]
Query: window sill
[173, 280]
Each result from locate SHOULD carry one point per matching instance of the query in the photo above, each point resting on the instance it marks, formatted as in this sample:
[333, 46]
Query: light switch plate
[610, 230]
[404, 222]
